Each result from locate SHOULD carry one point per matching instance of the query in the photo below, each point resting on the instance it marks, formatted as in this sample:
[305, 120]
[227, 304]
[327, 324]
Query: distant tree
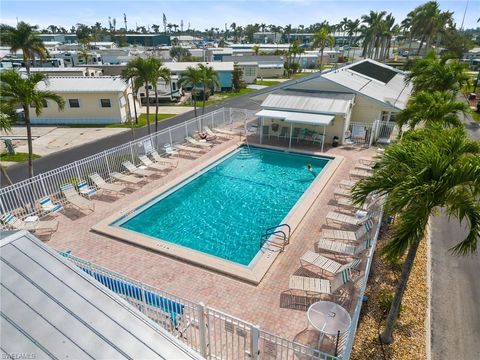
[52, 28]
[179, 53]
[237, 81]
[17, 91]
[24, 37]
[158, 72]
[287, 30]
[85, 54]
[191, 78]
[321, 39]
[156, 28]
[456, 43]
[255, 49]
[84, 33]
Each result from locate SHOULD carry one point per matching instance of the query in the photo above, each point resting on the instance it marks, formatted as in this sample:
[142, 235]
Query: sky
[201, 14]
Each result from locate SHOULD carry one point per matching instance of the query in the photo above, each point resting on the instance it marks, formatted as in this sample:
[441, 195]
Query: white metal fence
[22, 198]
[378, 132]
[212, 333]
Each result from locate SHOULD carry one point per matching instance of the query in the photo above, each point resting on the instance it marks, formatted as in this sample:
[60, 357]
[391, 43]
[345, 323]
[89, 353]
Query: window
[45, 103]
[105, 103]
[74, 103]
[174, 86]
[249, 71]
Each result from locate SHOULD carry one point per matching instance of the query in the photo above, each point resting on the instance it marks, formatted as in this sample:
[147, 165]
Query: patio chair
[188, 149]
[211, 133]
[150, 164]
[137, 171]
[50, 207]
[342, 192]
[317, 138]
[130, 179]
[367, 161]
[17, 224]
[347, 201]
[104, 186]
[283, 133]
[296, 134]
[360, 173]
[341, 248]
[170, 150]
[75, 199]
[86, 189]
[347, 235]
[340, 218]
[226, 132]
[325, 264]
[317, 286]
[347, 184]
[163, 160]
[195, 142]
[361, 166]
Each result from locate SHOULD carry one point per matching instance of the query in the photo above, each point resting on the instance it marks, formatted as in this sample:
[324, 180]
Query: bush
[385, 299]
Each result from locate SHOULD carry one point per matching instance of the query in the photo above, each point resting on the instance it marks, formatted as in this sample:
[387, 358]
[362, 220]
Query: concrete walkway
[177, 110]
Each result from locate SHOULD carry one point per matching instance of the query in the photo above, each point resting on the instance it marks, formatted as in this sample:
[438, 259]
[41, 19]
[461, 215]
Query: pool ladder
[276, 237]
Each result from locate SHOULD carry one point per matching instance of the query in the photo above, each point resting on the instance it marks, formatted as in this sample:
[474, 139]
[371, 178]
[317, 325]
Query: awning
[296, 117]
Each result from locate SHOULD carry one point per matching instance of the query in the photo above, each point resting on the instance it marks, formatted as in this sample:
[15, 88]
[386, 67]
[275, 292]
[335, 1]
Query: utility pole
[125, 21]
[464, 13]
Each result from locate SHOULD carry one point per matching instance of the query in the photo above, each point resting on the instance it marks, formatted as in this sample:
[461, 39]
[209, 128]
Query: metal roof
[394, 93]
[325, 103]
[296, 117]
[72, 84]
[182, 66]
[51, 309]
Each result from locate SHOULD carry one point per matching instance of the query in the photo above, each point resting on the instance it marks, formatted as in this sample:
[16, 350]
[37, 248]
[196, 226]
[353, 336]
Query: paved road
[455, 298]
[20, 172]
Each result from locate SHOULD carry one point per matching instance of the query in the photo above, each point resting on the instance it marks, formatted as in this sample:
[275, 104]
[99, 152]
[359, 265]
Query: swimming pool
[224, 209]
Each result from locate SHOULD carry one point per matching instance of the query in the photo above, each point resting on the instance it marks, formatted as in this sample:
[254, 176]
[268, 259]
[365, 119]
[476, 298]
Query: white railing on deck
[212, 333]
[22, 198]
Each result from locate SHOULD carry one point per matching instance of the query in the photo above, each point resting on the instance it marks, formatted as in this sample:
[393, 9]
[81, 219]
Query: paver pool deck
[258, 304]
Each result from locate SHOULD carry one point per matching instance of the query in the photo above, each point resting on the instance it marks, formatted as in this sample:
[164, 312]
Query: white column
[202, 329]
[290, 140]
[261, 129]
[323, 139]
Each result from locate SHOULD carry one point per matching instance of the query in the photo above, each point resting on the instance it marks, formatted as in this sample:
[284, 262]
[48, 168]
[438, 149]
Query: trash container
[335, 141]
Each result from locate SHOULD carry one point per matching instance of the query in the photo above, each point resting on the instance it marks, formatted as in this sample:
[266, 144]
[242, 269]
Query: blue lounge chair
[50, 207]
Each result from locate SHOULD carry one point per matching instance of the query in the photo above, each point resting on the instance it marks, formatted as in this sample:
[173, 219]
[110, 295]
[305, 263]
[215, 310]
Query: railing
[22, 198]
[212, 333]
[273, 231]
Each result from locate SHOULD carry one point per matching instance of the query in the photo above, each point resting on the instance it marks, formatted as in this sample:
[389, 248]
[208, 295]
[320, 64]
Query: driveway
[455, 293]
[19, 172]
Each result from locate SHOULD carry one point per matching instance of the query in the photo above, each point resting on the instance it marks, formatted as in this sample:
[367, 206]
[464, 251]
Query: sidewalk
[177, 110]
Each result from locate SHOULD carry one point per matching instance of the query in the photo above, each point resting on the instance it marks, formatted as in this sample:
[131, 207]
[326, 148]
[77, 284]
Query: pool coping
[265, 259]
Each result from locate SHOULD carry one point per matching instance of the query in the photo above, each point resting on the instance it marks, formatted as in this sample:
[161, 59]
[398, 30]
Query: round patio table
[329, 318]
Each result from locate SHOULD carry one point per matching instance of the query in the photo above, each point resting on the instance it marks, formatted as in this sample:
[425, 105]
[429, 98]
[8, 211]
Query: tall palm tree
[437, 74]
[428, 170]
[16, 91]
[6, 116]
[371, 32]
[24, 37]
[159, 72]
[287, 30]
[191, 77]
[209, 79]
[140, 71]
[85, 54]
[438, 107]
[321, 39]
[351, 28]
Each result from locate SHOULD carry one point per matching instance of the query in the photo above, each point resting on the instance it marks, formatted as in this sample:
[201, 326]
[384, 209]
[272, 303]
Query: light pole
[130, 113]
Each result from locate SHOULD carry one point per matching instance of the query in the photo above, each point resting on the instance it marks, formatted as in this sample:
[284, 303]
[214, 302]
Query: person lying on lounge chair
[204, 136]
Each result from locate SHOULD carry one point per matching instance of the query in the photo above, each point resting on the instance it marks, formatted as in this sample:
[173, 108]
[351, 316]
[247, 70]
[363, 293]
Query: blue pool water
[224, 211]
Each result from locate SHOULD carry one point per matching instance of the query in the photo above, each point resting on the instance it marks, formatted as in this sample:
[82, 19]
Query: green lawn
[267, 82]
[476, 116]
[18, 157]
[220, 97]
[142, 120]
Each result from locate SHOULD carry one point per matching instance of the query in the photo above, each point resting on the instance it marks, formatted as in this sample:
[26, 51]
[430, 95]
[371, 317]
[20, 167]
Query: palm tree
[85, 54]
[437, 74]
[428, 170]
[371, 32]
[255, 49]
[321, 39]
[351, 28]
[191, 77]
[6, 116]
[209, 79]
[24, 37]
[438, 107]
[16, 91]
[287, 30]
[140, 71]
[159, 72]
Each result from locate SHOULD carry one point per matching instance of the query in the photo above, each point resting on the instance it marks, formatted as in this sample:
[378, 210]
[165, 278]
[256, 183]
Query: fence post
[372, 133]
[43, 184]
[202, 329]
[106, 161]
[254, 340]
[131, 152]
[76, 169]
[186, 129]
[170, 135]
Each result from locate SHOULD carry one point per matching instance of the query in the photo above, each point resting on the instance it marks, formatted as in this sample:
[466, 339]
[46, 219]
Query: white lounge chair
[360, 173]
[104, 186]
[361, 166]
[150, 164]
[137, 171]
[188, 149]
[227, 132]
[211, 133]
[342, 192]
[47, 205]
[347, 184]
[316, 286]
[126, 178]
[17, 224]
[327, 265]
[342, 248]
[195, 142]
[75, 199]
[86, 189]
[346, 235]
[163, 160]
[340, 218]
[367, 161]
